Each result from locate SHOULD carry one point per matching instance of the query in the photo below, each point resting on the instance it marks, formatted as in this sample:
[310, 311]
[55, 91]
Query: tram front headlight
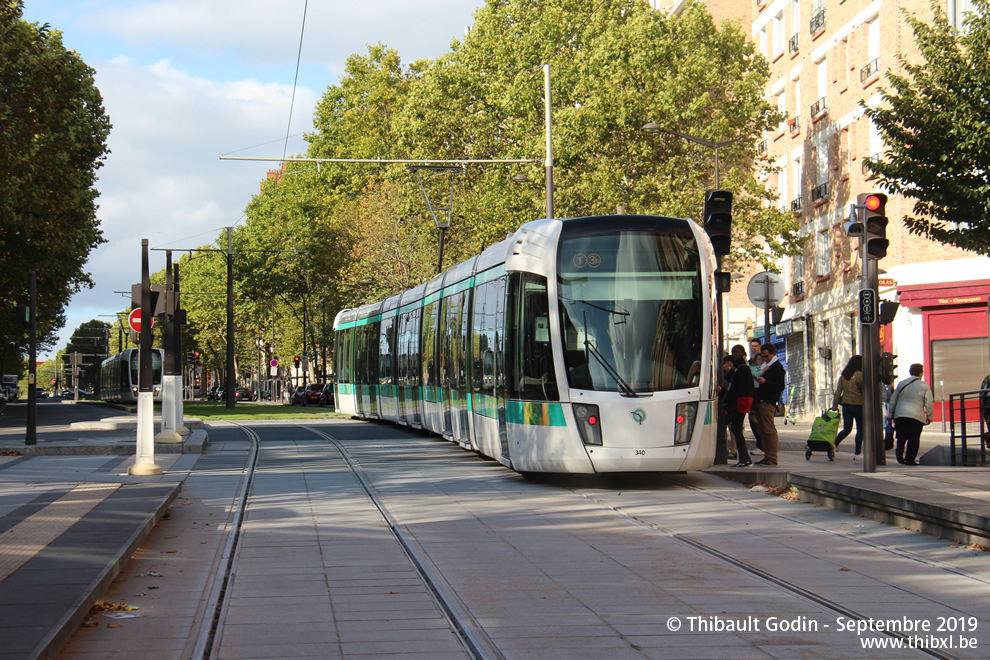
[589, 423]
[684, 418]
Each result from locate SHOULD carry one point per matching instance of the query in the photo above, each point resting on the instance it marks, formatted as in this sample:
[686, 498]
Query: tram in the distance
[119, 376]
[581, 345]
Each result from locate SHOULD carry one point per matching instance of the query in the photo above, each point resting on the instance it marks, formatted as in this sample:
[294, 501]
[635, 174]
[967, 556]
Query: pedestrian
[886, 391]
[849, 394]
[739, 401]
[755, 362]
[911, 408]
[723, 419]
[772, 381]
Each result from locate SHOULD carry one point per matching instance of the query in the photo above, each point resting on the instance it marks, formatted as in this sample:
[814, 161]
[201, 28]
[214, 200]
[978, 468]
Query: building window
[817, 17]
[823, 253]
[957, 12]
[778, 35]
[818, 107]
[870, 71]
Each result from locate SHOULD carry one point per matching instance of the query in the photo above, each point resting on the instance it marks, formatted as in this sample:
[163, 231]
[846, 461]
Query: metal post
[229, 394]
[180, 426]
[144, 460]
[549, 160]
[170, 362]
[31, 434]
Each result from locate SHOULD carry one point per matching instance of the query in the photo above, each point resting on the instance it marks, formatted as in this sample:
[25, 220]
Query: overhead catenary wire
[295, 80]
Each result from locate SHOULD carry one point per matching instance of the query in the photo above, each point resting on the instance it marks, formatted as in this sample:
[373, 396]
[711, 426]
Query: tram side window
[386, 351]
[414, 342]
[532, 375]
[431, 317]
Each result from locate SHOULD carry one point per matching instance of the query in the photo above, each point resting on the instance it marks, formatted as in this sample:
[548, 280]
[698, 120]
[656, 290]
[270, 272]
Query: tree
[90, 339]
[53, 132]
[934, 123]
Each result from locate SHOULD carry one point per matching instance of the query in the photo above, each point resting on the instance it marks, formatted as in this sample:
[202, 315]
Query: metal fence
[969, 415]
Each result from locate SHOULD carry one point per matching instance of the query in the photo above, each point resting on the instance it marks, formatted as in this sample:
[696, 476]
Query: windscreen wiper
[624, 387]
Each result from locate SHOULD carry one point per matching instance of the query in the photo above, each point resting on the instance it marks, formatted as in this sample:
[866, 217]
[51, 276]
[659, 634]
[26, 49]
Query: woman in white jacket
[911, 407]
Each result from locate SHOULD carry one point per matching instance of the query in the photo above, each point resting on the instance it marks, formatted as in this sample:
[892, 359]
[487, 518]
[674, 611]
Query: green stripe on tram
[533, 413]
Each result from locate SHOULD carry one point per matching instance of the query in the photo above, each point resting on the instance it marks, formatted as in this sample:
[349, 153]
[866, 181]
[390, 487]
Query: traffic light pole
[873, 450]
[171, 379]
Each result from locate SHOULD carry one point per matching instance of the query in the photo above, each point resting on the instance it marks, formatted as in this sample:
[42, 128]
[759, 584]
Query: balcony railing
[869, 71]
[819, 107]
[820, 192]
[794, 125]
[761, 148]
[797, 289]
[794, 43]
[818, 21]
[796, 205]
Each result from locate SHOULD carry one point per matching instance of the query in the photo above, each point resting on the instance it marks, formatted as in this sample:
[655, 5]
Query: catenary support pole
[144, 460]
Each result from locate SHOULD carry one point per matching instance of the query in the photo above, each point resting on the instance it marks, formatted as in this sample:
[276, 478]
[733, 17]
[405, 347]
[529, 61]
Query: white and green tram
[580, 345]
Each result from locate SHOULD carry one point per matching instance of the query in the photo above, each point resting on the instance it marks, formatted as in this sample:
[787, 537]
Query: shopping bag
[825, 427]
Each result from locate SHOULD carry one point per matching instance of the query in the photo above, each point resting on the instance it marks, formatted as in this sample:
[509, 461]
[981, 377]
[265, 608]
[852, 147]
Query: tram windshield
[631, 310]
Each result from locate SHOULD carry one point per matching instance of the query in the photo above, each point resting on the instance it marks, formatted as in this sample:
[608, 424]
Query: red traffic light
[873, 202]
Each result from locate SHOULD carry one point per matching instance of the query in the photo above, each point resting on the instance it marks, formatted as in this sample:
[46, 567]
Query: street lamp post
[721, 456]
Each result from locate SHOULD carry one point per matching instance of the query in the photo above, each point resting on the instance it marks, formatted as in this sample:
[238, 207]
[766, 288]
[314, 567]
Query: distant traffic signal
[296, 360]
[888, 310]
[23, 314]
[875, 223]
[718, 220]
[888, 368]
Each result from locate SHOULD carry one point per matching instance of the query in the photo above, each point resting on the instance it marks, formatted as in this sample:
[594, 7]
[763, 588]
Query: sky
[186, 81]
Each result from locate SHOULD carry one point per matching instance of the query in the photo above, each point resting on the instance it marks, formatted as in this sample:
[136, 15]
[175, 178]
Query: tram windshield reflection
[631, 310]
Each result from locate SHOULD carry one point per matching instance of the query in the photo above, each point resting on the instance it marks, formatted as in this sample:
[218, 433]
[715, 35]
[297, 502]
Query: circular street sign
[765, 289]
[134, 320]
[274, 362]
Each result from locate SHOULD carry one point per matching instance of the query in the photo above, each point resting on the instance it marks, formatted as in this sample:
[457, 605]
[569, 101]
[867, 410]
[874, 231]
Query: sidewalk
[948, 502]
[70, 519]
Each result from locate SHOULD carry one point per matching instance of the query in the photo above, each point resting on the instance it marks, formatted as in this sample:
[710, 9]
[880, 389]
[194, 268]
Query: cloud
[164, 179]
[185, 81]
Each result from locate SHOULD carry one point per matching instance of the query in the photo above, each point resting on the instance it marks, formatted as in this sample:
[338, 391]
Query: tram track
[214, 606]
[777, 582]
[459, 616]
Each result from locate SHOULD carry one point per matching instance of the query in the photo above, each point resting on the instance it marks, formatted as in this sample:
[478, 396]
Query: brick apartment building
[825, 57]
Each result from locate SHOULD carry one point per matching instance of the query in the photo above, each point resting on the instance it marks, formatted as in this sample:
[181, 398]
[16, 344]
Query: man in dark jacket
[772, 381]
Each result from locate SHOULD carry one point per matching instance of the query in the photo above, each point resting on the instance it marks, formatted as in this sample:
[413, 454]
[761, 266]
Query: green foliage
[53, 132]
[364, 231]
[934, 123]
[91, 340]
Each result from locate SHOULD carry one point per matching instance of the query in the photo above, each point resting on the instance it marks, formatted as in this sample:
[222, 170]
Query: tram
[579, 345]
[119, 376]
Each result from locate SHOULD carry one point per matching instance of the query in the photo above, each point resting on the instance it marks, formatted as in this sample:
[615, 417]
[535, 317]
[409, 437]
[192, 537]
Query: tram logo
[639, 415]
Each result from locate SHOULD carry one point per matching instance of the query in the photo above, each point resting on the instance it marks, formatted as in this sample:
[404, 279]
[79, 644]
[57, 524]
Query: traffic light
[874, 223]
[296, 360]
[196, 356]
[190, 359]
[888, 310]
[23, 314]
[888, 368]
[718, 220]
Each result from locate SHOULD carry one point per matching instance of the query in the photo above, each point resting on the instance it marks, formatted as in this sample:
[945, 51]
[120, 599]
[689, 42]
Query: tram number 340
[641, 452]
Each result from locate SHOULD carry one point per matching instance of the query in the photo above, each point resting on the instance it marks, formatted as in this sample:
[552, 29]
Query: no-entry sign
[134, 319]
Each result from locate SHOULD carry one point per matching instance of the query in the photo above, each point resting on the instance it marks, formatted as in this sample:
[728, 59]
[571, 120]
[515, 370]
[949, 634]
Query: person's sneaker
[767, 463]
[743, 464]
[757, 452]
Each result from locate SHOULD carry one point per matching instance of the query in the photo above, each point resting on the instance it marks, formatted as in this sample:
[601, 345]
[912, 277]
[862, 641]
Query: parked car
[313, 393]
[41, 392]
[298, 396]
[326, 396]
[243, 394]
